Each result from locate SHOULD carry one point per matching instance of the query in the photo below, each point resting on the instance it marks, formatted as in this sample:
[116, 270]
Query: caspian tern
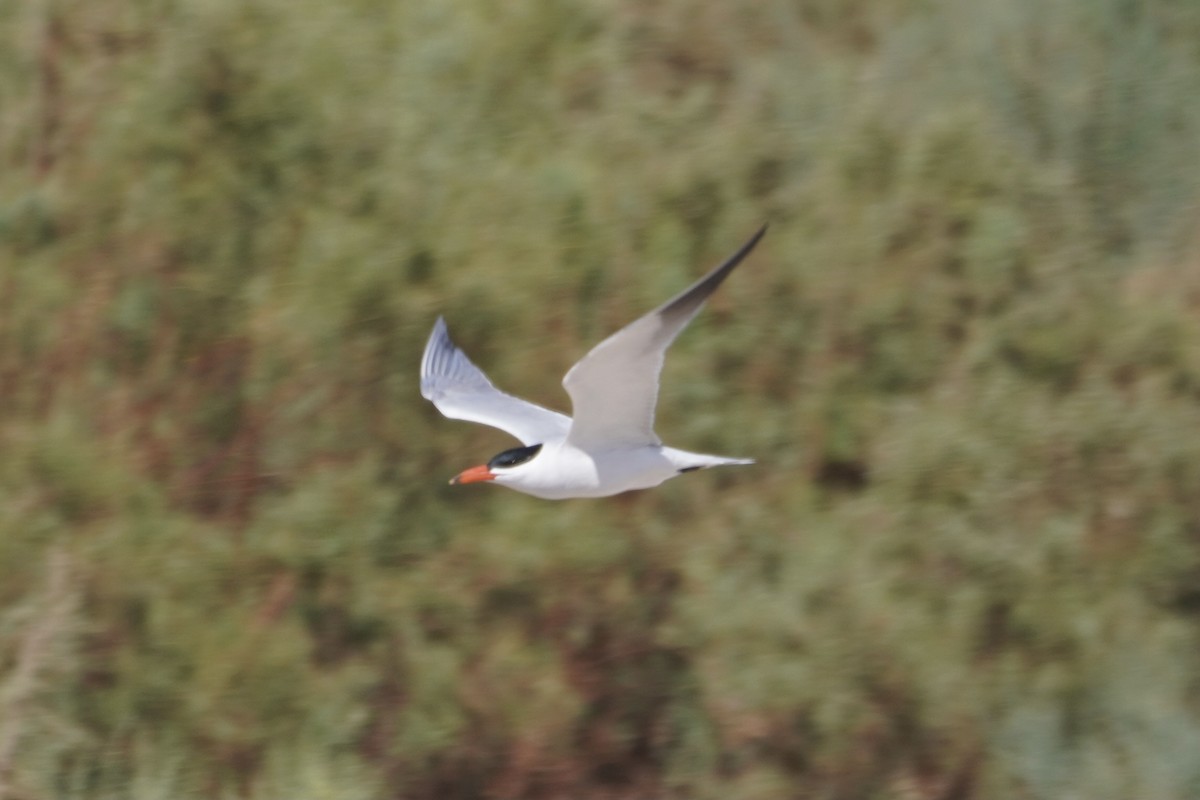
[609, 446]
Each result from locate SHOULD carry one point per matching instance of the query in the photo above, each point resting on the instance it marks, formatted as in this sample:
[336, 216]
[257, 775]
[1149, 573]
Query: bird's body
[609, 446]
[561, 470]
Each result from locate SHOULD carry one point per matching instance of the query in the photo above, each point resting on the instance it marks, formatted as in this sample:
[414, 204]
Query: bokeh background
[966, 357]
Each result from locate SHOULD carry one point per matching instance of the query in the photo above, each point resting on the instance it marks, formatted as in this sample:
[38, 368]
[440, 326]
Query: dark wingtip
[742, 251]
[753, 241]
[685, 305]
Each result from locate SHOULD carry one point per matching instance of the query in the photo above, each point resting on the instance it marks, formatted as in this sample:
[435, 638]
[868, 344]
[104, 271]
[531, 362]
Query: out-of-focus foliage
[967, 358]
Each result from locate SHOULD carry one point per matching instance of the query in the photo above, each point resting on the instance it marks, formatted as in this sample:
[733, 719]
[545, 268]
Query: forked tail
[690, 462]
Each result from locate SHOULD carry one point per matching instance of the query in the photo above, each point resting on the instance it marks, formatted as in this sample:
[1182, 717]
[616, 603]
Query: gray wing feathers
[460, 390]
[614, 388]
[446, 368]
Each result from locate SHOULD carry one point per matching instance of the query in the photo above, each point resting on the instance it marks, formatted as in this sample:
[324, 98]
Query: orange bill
[474, 475]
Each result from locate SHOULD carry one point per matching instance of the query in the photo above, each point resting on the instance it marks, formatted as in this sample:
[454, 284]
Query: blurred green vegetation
[967, 358]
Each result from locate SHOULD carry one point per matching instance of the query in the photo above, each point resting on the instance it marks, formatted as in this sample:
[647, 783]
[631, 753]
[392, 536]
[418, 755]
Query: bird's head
[501, 468]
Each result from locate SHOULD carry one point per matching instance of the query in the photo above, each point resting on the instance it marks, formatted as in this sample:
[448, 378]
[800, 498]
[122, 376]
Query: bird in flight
[609, 445]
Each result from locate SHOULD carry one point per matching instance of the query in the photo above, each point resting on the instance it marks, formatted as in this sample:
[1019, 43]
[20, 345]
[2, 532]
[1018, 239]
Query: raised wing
[460, 390]
[614, 387]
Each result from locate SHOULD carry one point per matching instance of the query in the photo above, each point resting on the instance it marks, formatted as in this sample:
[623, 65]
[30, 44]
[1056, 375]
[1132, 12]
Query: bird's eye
[511, 458]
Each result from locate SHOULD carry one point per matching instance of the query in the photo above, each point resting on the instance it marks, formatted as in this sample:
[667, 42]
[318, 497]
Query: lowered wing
[614, 387]
[460, 390]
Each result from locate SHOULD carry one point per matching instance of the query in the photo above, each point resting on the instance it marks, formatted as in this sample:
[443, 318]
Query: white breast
[562, 471]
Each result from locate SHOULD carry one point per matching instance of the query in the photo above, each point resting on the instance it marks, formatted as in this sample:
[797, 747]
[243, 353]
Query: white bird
[609, 446]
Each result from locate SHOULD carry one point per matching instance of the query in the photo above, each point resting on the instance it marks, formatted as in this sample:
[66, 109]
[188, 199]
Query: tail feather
[690, 462]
